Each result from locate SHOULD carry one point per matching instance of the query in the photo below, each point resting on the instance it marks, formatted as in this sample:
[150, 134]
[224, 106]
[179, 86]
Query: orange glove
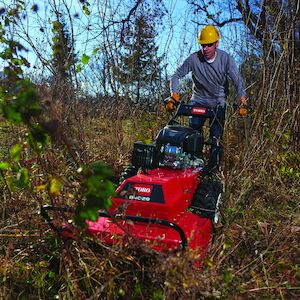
[172, 100]
[243, 111]
[243, 106]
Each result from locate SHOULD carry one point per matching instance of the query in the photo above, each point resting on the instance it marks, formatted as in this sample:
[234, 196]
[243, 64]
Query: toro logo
[198, 110]
[143, 189]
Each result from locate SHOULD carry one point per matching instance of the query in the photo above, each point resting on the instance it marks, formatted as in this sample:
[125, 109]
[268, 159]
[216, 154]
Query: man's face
[209, 50]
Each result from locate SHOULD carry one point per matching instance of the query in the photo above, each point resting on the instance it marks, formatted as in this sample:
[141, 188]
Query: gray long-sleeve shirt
[210, 80]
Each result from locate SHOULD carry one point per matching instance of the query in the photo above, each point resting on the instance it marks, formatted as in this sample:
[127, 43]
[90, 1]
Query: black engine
[176, 146]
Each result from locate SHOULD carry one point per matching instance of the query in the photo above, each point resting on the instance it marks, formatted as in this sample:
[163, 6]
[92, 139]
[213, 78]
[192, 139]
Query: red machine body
[161, 194]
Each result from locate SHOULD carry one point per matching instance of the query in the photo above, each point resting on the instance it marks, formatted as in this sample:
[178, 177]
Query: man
[210, 68]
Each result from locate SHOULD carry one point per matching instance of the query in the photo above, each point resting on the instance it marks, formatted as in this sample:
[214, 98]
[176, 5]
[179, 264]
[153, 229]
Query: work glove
[243, 111]
[172, 101]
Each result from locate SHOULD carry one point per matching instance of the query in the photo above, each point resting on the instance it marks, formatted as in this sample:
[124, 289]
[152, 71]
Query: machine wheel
[128, 172]
[207, 199]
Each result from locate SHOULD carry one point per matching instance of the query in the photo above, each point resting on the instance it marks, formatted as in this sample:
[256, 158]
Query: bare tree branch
[125, 20]
[220, 24]
[204, 9]
[250, 19]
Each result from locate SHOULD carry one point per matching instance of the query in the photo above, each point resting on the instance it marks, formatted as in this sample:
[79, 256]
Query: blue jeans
[216, 130]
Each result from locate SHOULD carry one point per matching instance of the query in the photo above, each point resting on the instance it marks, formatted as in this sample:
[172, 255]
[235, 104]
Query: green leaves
[85, 8]
[85, 59]
[21, 103]
[4, 166]
[95, 51]
[14, 176]
[97, 190]
[22, 180]
[56, 186]
[78, 68]
[288, 164]
[11, 114]
[12, 173]
[15, 152]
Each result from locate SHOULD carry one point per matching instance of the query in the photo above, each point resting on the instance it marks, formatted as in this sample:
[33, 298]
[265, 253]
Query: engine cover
[188, 139]
[174, 135]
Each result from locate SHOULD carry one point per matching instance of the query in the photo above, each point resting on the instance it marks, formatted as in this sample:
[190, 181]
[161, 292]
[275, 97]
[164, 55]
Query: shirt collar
[212, 59]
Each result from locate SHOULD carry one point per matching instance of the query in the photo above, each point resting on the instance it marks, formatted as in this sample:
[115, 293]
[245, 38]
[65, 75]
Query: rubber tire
[128, 172]
[206, 196]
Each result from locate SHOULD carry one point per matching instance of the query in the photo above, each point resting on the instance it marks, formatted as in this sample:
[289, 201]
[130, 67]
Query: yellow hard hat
[208, 34]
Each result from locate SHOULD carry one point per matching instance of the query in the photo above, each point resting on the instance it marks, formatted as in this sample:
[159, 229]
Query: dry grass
[255, 254]
[256, 250]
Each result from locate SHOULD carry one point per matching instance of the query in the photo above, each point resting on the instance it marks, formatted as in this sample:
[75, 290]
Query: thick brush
[255, 253]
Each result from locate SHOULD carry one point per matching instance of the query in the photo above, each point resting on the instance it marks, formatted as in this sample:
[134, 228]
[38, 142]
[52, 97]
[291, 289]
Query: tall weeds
[256, 250]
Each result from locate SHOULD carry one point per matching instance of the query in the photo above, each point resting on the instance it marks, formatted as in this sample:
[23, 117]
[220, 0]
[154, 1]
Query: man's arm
[237, 79]
[180, 72]
[243, 100]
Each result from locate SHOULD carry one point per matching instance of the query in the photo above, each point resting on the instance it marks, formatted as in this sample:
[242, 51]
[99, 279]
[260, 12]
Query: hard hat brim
[207, 41]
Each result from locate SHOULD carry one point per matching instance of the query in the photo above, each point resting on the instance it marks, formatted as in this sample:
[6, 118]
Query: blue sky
[177, 40]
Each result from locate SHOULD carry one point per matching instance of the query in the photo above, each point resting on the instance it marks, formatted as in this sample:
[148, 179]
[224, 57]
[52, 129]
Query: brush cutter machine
[166, 198]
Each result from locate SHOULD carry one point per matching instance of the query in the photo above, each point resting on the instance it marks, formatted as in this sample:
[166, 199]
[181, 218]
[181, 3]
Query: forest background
[80, 82]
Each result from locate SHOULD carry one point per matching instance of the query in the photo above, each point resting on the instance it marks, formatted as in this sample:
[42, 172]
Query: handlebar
[191, 110]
